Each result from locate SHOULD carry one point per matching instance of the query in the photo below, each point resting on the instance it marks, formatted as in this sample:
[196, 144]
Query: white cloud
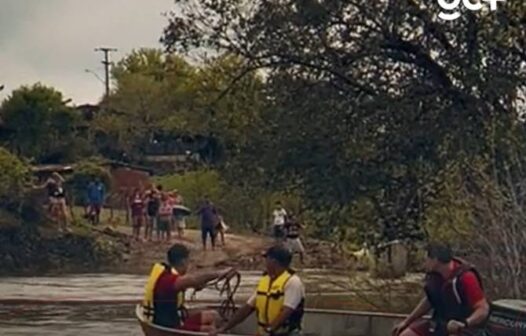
[53, 41]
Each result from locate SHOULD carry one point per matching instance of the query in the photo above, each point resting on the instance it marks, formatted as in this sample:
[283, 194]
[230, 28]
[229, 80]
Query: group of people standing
[286, 229]
[155, 209]
[163, 212]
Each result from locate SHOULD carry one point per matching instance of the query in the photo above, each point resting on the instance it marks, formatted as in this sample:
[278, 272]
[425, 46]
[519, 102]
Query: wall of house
[124, 181]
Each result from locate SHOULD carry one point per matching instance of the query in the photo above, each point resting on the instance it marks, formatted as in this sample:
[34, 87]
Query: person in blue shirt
[96, 195]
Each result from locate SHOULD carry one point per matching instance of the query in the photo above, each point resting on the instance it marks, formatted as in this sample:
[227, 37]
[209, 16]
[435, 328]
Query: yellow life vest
[269, 301]
[148, 300]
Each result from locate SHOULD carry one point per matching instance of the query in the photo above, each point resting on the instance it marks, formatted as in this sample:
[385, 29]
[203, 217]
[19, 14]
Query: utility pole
[107, 64]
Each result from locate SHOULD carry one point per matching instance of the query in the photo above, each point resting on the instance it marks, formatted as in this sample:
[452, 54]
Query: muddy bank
[43, 250]
[319, 255]
[37, 251]
[240, 251]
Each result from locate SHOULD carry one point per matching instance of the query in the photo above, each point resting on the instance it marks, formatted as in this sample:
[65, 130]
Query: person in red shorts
[454, 292]
[163, 302]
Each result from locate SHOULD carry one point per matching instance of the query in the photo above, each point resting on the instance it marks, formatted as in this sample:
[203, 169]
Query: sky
[53, 41]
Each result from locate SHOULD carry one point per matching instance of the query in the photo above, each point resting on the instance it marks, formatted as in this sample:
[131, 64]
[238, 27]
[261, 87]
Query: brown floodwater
[103, 304]
[67, 305]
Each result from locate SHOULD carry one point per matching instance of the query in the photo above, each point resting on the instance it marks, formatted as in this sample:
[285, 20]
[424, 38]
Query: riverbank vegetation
[375, 121]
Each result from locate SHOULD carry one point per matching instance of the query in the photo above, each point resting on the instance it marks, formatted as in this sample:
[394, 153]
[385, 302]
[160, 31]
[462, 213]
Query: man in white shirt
[280, 216]
[278, 300]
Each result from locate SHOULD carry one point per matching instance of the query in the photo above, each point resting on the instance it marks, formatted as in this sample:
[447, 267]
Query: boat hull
[316, 322]
[508, 318]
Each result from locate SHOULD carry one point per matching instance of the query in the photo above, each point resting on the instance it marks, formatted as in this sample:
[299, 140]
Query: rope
[227, 306]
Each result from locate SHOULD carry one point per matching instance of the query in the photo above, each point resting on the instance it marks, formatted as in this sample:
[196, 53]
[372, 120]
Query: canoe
[508, 318]
[315, 322]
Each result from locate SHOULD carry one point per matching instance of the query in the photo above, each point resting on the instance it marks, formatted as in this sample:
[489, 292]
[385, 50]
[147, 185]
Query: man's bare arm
[199, 280]
[420, 310]
[480, 313]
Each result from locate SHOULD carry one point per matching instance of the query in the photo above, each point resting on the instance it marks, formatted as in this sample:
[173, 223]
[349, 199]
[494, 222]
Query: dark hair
[159, 187]
[279, 254]
[177, 254]
[440, 251]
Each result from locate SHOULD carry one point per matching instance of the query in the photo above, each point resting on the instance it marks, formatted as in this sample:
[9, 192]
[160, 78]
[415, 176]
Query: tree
[368, 99]
[138, 107]
[40, 126]
[159, 95]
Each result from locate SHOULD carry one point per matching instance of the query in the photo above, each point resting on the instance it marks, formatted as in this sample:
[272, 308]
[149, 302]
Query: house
[127, 177]
[124, 177]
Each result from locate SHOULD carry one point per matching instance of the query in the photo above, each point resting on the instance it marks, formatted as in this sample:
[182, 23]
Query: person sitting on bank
[453, 290]
[163, 302]
[278, 301]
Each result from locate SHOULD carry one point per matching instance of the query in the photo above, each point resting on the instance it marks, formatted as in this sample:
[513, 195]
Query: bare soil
[240, 251]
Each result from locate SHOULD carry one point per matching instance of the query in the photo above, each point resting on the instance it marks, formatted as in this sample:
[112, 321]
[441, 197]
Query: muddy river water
[67, 305]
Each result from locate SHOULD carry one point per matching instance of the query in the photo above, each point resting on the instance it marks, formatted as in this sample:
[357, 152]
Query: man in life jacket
[454, 292]
[278, 300]
[163, 302]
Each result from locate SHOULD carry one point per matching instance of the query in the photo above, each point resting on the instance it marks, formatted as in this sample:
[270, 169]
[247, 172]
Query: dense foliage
[14, 176]
[377, 119]
[38, 124]
[369, 103]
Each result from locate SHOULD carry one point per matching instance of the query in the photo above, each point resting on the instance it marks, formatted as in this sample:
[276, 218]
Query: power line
[107, 64]
[95, 75]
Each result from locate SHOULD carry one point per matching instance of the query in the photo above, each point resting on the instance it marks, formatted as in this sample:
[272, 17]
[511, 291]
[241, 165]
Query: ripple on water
[62, 320]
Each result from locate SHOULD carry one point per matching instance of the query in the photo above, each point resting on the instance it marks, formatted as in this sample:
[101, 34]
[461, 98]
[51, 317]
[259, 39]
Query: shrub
[14, 175]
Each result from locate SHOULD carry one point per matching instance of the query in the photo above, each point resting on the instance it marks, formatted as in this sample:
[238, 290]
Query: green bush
[194, 185]
[14, 175]
[83, 173]
[241, 208]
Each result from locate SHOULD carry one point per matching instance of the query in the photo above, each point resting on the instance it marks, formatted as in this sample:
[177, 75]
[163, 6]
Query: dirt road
[241, 251]
[238, 251]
